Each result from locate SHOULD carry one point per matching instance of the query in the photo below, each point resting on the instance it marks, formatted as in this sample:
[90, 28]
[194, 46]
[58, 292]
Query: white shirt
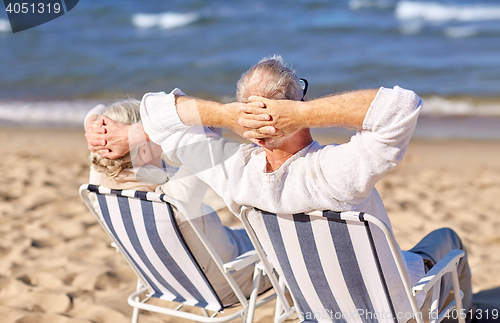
[331, 177]
[228, 243]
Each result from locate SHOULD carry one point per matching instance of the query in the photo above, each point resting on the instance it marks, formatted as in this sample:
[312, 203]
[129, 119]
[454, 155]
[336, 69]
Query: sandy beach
[57, 266]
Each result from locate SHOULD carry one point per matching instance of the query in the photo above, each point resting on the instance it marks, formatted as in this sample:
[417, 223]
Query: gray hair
[270, 78]
[128, 112]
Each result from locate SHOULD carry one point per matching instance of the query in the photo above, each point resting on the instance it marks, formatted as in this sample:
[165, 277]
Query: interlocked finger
[253, 124]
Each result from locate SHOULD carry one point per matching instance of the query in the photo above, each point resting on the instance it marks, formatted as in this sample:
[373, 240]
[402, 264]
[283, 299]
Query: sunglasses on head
[304, 84]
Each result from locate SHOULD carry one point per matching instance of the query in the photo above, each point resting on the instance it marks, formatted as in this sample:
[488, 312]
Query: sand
[56, 264]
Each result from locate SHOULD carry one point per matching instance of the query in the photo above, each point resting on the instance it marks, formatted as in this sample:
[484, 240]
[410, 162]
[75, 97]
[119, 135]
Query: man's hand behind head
[284, 118]
[240, 122]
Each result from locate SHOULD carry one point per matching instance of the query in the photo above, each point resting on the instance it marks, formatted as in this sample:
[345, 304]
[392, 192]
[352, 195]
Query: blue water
[105, 50]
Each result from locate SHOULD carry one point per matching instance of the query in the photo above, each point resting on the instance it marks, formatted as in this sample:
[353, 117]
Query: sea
[447, 51]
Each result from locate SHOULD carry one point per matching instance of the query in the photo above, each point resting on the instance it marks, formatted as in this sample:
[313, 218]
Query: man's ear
[148, 154]
[143, 152]
[259, 142]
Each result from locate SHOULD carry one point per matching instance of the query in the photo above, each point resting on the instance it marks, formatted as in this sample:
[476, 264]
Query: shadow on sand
[488, 306]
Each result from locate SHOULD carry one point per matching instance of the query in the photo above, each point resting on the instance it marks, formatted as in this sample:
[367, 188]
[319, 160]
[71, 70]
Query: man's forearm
[347, 110]
[196, 112]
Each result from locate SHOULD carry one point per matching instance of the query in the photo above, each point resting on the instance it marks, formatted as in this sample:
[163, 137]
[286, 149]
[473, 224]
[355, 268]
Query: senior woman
[143, 169]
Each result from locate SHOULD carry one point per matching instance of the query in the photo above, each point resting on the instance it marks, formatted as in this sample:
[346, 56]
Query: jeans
[433, 248]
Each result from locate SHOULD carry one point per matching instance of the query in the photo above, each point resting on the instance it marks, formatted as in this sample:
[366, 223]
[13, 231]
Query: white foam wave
[461, 32]
[438, 12]
[60, 113]
[166, 20]
[360, 4]
[4, 26]
[411, 27]
[436, 105]
[72, 113]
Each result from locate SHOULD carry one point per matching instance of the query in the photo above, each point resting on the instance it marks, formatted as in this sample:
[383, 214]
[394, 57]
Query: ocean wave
[436, 105]
[411, 27]
[438, 12]
[57, 113]
[360, 4]
[5, 26]
[461, 32]
[71, 114]
[165, 20]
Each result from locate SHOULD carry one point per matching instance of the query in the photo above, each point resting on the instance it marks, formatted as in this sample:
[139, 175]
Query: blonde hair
[128, 112]
[270, 78]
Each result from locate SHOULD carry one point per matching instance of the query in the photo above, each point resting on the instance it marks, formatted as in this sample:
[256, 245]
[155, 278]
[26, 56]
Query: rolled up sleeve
[199, 148]
[390, 122]
[351, 170]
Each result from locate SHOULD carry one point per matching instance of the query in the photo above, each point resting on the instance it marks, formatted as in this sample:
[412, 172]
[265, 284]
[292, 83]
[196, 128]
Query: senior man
[291, 173]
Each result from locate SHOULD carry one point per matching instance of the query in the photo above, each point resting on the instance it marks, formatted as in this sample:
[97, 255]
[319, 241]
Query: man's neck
[278, 156]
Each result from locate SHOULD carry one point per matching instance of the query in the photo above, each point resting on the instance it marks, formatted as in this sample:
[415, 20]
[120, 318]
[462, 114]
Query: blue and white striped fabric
[332, 266]
[144, 227]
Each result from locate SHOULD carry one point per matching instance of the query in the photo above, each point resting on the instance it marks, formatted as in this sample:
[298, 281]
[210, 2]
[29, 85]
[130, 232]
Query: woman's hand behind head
[108, 137]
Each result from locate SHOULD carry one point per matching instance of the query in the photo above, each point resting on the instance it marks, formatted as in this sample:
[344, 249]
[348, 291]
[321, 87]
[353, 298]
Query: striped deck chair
[336, 273]
[143, 228]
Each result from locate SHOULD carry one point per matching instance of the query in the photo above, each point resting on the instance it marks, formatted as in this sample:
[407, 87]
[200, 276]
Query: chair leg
[257, 274]
[135, 313]
[436, 289]
[279, 307]
[458, 298]
[278, 310]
